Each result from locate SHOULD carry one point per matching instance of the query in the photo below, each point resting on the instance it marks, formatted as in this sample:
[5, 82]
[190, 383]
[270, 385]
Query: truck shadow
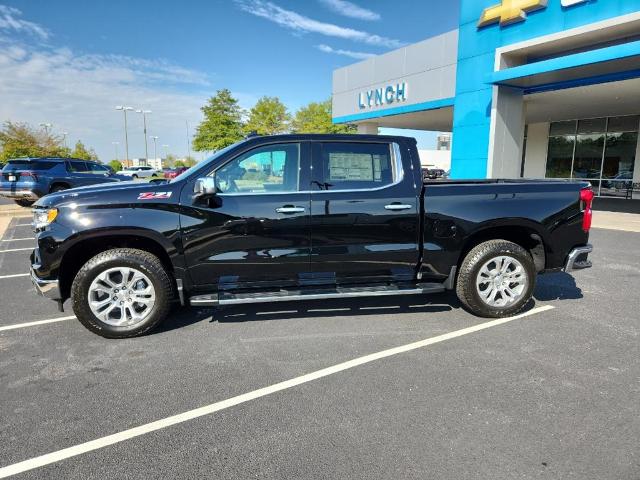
[437, 303]
[346, 307]
[557, 286]
[550, 287]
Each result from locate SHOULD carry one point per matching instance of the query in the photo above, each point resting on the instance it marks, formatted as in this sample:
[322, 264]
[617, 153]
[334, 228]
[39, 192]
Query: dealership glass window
[600, 150]
[560, 156]
[587, 158]
[563, 128]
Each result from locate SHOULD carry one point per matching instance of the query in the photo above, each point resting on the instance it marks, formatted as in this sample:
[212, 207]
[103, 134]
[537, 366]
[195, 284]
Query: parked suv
[27, 179]
[139, 172]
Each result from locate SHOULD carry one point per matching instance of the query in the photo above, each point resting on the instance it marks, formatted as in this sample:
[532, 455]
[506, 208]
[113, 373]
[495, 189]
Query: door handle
[289, 209]
[398, 206]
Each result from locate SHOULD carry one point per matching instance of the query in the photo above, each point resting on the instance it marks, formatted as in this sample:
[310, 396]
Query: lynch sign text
[383, 96]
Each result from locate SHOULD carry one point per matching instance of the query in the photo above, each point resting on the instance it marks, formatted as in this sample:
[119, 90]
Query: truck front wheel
[496, 279]
[121, 293]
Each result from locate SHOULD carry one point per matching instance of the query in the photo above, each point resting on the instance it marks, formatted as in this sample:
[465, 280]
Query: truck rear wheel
[121, 293]
[496, 279]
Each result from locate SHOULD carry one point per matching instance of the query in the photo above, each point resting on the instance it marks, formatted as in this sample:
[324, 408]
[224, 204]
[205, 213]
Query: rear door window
[76, 166]
[98, 169]
[353, 166]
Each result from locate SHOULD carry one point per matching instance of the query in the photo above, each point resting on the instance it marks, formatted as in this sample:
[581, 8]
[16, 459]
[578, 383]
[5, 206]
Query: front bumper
[18, 193]
[46, 288]
[578, 258]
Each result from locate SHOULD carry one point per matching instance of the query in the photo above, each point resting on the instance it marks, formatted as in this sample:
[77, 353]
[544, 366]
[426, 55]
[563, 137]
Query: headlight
[43, 217]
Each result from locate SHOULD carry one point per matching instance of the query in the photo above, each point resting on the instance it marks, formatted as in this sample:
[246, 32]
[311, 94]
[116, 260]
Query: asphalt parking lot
[553, 394]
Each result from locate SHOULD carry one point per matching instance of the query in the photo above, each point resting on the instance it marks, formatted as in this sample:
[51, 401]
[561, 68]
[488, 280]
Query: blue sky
[70, 62]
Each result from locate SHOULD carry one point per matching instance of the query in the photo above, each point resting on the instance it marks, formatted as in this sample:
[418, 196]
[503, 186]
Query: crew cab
[296, 217]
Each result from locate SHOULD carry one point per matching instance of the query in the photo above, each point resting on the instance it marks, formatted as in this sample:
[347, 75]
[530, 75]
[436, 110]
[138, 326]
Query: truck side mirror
[204, 187]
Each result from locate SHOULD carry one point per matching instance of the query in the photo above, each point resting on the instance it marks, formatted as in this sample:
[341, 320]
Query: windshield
[203, 165]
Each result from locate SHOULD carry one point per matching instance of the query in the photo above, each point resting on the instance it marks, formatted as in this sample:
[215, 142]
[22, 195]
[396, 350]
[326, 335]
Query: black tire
[58, 188]
[23, 202]
[143, 261]
[134, 177]
[472, 264]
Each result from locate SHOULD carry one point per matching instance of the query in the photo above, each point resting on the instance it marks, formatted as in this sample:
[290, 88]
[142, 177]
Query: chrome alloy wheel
[121, 296]
[501, 281]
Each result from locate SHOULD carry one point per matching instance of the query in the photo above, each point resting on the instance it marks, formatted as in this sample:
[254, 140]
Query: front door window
[268, 169]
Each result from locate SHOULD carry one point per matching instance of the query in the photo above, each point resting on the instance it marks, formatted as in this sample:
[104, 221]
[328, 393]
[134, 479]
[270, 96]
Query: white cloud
[346, 53]
[351, 10]
[299, 23]
[11, 22]
[77, 93]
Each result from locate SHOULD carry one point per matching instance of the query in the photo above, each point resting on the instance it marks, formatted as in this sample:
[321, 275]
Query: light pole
[126, 134]
[64, 138]
[155, 146]
[46, 127]
[115, 144]
[188, 139]
[144, 121]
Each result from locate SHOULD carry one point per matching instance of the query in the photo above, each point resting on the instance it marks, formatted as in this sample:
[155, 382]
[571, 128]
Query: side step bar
[315, 294]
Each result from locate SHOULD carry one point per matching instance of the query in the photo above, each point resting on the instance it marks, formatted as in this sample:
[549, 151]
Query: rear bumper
[19, 193]
[578, 258]
[46, 288]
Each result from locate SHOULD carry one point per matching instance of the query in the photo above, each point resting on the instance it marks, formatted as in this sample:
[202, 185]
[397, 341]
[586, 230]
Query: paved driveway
[554, 394]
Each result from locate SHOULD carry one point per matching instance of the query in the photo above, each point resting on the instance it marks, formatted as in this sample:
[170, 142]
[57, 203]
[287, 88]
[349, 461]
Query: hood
[106, 193]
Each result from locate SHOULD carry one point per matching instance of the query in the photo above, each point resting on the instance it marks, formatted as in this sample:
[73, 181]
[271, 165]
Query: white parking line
[18, 239]
[33, 324]
[23, 225]
[16, 250]
[98, 443]
[14, 275]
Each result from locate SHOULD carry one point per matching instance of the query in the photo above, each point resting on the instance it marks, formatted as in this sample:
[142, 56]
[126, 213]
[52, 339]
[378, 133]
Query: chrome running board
[312, 294]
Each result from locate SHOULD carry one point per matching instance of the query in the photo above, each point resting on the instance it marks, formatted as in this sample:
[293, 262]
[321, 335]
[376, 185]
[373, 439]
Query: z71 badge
[153, 195]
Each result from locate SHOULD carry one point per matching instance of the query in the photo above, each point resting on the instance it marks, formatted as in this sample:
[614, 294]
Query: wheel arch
[86, 248]
[56, 183]
[529, 235]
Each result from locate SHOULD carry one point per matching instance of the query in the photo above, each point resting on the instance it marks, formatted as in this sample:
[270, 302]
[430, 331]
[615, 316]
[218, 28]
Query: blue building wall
[476, 57]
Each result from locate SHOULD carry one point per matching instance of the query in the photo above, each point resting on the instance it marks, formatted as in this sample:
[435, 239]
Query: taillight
[586, 199]
[30, 174]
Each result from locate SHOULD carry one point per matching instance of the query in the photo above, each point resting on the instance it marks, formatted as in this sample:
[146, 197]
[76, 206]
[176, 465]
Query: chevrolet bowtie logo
[509, 11]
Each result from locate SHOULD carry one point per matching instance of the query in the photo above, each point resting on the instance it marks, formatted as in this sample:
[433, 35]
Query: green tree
[22, 140]
[80, 151]
[185, 162]
[316, 118]
[269, 116]
[115, 165]
[222, 124]
[170, 160]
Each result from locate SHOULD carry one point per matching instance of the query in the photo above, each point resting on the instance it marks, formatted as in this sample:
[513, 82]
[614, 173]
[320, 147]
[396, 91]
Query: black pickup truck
[296, 217]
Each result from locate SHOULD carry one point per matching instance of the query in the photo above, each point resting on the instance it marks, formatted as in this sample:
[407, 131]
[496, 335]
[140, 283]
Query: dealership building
[528, 88]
